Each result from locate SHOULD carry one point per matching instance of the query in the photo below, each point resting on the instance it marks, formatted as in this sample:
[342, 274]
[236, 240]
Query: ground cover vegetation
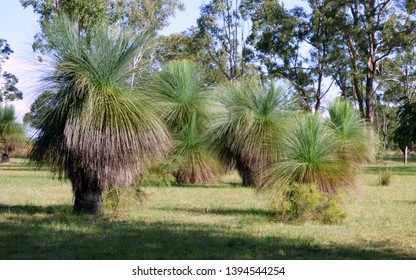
[221, 220]
[231, 124]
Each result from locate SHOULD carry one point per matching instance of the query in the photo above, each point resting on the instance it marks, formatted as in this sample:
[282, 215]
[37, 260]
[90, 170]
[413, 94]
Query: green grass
[222, 221]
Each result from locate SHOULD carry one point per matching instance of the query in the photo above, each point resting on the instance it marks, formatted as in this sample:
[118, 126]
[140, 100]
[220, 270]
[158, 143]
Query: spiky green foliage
[199, 164]
[357, 143]
[12, 133]
[179, 96]
[247, 125]
[178, 92]
[310, 155]
[97, 133]
[305, 202]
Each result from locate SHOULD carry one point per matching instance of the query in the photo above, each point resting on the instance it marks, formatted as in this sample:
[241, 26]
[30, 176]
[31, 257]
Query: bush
[161, 174]
[333, 213]
[305, 202]
[385, 177]
[119, 202]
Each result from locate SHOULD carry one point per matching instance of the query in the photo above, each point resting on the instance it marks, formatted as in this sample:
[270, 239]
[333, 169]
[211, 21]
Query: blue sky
[18, 26]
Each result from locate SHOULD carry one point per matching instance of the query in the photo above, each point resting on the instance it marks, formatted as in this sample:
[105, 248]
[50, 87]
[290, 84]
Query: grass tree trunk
[88, 197]
[245, 173]
[5, 158]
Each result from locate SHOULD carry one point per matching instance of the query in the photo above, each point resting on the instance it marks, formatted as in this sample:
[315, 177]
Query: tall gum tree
[140, 15]
[373, 31]
[223, 22]
[8, 81]
[295, 45]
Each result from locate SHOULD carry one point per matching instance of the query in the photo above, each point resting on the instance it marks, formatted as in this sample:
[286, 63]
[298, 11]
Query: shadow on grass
[399, 158]
[233, 212]
[408, 202]
[20, 168]
[34, 209]
[62, 235]
[210, 186]
[397, 170]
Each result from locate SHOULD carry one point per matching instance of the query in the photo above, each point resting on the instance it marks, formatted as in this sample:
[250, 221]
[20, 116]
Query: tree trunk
[245, 174]
[369, 98]
[358, 95]
[88, 201]
[5, 158]
[88, 195]
[405, 155]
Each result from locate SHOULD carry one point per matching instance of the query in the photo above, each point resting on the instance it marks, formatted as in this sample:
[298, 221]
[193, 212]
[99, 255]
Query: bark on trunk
[369, 98]
[245, 174]
[405, 155]
[359, 95]
[88, 201]
[87, 193]
[5, 158]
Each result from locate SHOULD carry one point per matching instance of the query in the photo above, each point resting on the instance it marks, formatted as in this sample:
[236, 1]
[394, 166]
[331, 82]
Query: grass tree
[356, 139]
[12, 133]
[326, 153]
[309, 151]
[181, 99]
[248, 122]
[198, 161]
[97, 132]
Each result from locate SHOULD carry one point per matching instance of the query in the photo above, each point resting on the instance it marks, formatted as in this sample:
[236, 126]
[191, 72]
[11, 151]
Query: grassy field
[222, 221]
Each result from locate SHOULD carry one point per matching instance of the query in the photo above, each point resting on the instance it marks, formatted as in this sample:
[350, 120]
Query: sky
[18, 26]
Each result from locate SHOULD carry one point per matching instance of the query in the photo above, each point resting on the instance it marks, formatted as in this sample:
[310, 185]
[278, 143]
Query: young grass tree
[180, 98]
[309, 155]
[96, 133]
[249, 120]
[321, 153]
[355, 136]
[198, 161]
[12, 133]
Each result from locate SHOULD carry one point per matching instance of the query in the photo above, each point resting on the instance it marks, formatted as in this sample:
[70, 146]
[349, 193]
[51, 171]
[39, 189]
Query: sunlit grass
[219, 221]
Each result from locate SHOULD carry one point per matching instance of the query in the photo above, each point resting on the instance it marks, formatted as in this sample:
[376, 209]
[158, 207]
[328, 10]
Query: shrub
[161, 174]
[385, 177]
[120, 202]
[305, 202]
[333, 213]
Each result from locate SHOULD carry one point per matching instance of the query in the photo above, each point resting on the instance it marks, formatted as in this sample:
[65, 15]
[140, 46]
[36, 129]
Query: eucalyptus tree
[179, 96]
[294, 44]
[97, 132]
[135, 14]
[247, 124]
[140, 15]
[8, 81]
[405, 133]
[144, 14]
[190, 45]
[399, 87]
[348, 42]
[373, 31]
[223, 22]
